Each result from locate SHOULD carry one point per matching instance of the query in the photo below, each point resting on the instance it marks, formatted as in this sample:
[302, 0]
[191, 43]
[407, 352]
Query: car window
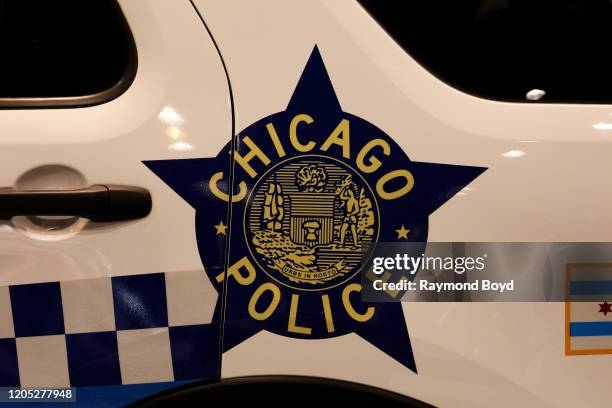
[503, 49]
[67, 52]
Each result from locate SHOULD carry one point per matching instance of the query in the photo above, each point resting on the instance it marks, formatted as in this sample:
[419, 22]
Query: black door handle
[99, 203]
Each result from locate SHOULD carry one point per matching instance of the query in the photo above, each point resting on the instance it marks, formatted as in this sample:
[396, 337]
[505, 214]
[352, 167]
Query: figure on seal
[351, 208]
[274, 212]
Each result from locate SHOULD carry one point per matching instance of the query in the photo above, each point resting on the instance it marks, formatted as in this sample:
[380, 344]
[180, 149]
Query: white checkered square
[88, 305]
[43, 361]
[6, 314]
[190, 297]
[144, 356]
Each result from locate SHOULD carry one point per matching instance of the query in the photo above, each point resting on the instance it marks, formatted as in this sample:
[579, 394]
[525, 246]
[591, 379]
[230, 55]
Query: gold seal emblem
[309, 220]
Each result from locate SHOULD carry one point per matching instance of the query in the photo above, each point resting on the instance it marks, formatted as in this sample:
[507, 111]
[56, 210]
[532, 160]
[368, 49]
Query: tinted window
[502, 49]
[63, 48]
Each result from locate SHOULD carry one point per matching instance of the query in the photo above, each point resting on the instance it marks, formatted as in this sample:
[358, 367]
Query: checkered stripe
[120, 330]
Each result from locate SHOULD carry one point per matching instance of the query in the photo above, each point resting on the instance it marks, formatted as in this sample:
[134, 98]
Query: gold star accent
[221, 228]
[402, 233]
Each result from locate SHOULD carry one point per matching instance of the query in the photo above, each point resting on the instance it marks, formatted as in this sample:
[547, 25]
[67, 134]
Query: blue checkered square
[140, 301]
[93, 359]
[195, 351]
[9, 368]
[37, 309]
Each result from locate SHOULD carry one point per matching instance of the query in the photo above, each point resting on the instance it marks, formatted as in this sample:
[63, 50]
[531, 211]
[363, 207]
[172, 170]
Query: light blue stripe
[591, 287]
[581, 329]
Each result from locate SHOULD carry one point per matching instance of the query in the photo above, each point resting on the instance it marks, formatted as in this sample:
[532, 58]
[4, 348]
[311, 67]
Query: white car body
[547, 180]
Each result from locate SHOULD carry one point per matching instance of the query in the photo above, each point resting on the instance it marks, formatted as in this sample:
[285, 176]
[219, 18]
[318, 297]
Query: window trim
[98, 98]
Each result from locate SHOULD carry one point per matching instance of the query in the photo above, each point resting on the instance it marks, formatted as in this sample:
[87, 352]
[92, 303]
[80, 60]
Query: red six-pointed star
[605, 308]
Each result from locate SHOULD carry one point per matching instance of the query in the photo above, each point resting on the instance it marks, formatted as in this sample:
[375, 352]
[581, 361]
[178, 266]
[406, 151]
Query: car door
[544, 177]
[95, 97]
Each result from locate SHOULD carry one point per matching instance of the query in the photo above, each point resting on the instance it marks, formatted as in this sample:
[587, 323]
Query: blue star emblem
[312, 184]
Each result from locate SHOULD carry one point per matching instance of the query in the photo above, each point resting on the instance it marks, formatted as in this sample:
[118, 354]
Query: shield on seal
[312, 218]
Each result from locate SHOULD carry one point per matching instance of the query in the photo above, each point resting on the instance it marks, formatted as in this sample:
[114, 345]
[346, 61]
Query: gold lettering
[293, 133]
[384, 194]
[276, 294]
[292, 326]
[359, 317]
[334, 138]
[255, 151]
[234, 271]
[385, 278]
[276, 140]
[373, 162]
[214, 188]
[329, 320]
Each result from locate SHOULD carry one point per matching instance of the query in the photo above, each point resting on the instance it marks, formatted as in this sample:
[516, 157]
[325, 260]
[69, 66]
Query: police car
[189, 185]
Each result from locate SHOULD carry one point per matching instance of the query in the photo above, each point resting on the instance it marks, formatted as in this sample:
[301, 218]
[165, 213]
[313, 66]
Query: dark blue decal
[313, 186]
